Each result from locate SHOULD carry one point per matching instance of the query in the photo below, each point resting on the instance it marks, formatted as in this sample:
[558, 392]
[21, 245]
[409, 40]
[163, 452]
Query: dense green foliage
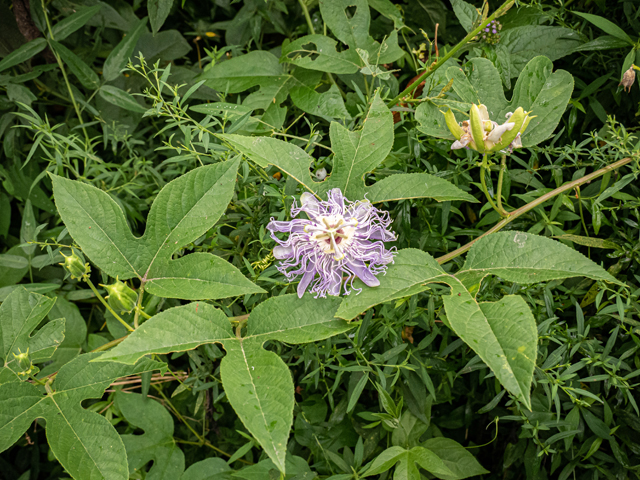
[147, 145]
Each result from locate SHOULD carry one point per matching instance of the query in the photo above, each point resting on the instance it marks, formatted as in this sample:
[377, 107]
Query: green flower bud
[73, 264]
[25, 367]
[453, 125]
[121, 297]
[477, 127]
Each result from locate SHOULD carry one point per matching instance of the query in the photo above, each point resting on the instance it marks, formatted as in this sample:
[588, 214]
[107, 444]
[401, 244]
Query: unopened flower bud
[121, 298]
[73, 264]
[628, 78]
[24, 363]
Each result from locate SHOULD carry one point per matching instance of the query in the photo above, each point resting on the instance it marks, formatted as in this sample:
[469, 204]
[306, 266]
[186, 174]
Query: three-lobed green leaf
[356, 153]
[20, 314]
[84, 442]
[502, 333]
[183, 210]
[156, 444]
[256, 381]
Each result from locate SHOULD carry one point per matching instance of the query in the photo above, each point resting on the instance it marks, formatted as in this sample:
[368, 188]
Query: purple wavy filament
[340, 238]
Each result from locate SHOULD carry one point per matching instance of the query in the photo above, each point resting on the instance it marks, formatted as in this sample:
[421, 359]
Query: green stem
[502, 9]
[503, 167]
[138, 306]
[530, 206]
[35, 380]
[305, 10]
[484, 168]
[107, 306]
[64, 73]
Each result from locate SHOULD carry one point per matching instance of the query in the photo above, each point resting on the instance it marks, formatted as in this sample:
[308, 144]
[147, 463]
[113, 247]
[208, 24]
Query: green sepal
[476, 128]
[518, 118]
[454, 127]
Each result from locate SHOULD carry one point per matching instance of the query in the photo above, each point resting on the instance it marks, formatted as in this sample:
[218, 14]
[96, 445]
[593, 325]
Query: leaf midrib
[106, 235]
[257, 397]
[503, 352]
[74, 432]
[178, 224]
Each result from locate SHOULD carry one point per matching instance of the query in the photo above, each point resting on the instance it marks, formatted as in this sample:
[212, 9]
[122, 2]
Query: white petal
[463, 142]
[484, 114]
[282, 252]
[310, 204]
[497, 132]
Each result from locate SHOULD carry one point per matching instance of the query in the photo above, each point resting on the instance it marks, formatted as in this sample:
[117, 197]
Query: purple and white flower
[340, 238]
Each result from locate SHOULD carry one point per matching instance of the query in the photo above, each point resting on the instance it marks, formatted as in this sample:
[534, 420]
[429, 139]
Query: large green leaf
[120, 98]
[257, 382]
[503, 334]
[318, 52]
[183, 210]
[526, 258]
[213, 468]
[608, 26]
[411, 270]
[199, 276]
[291, 320]
[98, 225]
[414, 185]
[156, 444]
[259, 386]
[158, 12]
[239, 74]
[257, 68]
[356, 153]
[85, 443]
[20, 314]
[465, 12]
[538, 90]
[23, 53]
[351, 27]
[266, 151]
[74, 22]
[327, 105]
[529, 41]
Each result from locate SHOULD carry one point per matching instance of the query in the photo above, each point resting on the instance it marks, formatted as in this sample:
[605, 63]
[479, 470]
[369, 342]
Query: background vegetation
[68, 107]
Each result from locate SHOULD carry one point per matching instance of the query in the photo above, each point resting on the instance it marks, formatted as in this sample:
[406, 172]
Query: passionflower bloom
[484, 135]
[340, 238]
